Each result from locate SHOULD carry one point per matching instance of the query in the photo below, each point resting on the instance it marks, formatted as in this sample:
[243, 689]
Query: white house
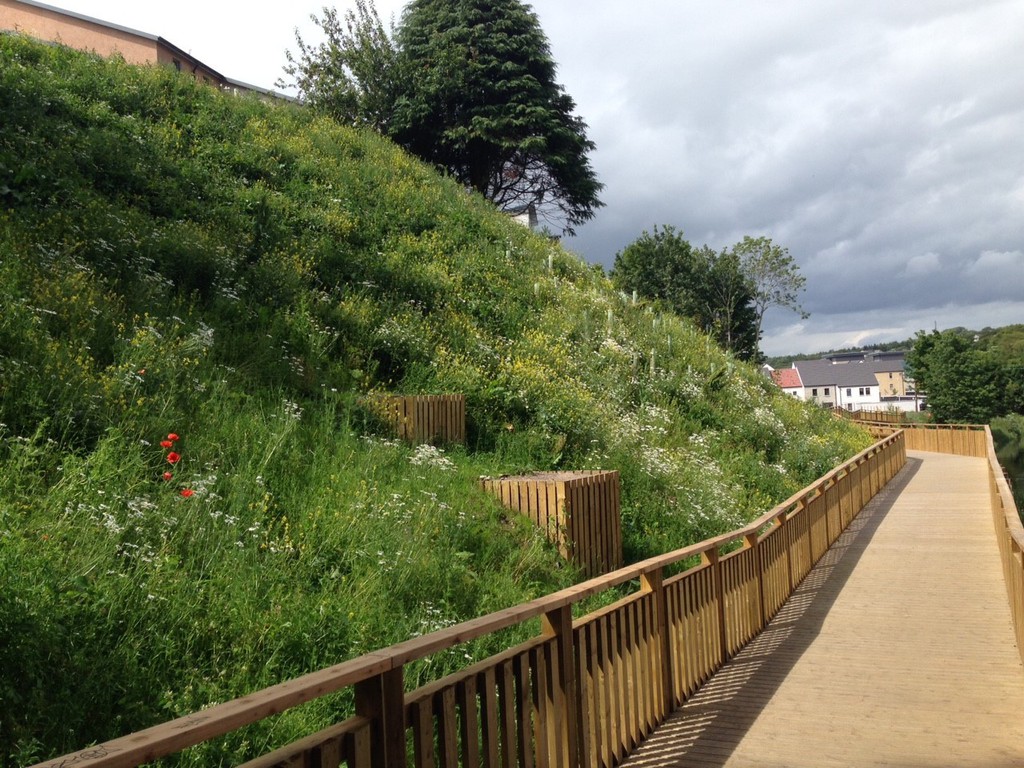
[848, 385]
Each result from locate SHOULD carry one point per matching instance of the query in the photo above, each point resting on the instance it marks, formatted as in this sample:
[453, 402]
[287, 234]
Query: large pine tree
[477, 96]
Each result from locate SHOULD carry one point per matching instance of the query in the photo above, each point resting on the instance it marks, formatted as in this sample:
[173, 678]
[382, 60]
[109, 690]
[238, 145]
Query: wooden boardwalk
[897, 650]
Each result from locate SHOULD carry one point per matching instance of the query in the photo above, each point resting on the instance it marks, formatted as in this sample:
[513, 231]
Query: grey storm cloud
[880, 142]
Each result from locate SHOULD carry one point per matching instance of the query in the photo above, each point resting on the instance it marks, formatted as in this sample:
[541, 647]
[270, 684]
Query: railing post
[563, 690]
[381, 699]
[653, 582]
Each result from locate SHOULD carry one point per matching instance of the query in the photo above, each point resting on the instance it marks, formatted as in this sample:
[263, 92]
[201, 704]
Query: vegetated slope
[228, 278]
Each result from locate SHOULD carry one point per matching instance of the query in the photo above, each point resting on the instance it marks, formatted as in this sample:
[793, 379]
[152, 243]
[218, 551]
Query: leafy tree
[701, 284]
[659, 265]
[726, 303]
[479, 98]
[352, 74]
[961, 381]
[468, 85]
[773, 275]
[1008, 437]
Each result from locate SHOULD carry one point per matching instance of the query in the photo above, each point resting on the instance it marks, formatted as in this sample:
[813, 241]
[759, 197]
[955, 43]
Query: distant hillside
[197, 292]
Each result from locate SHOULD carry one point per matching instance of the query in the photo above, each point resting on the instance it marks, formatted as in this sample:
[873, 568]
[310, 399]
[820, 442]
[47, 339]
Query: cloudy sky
[881, 142]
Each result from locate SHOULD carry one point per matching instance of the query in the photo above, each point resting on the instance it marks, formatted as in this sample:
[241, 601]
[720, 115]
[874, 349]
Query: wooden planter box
[578, 512]
[437, 419]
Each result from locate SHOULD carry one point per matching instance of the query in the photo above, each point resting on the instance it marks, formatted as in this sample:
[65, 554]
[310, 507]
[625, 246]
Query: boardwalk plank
[896, 650]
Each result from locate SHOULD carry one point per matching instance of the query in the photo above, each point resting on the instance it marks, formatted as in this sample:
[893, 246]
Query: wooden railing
[583, 692]
[884, 417]
[957, 439]
[1010, 534]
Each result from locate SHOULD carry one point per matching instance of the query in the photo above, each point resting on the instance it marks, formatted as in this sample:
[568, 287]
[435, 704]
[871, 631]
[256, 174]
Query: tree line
[970, 377]
[726, 293]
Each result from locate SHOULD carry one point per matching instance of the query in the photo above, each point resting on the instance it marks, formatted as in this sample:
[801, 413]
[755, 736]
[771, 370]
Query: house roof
[823, 373]
[889, 365]
[889, 361]
[787, 378]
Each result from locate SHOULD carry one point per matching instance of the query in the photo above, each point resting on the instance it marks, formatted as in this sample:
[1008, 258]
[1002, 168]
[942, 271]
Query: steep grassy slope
[177, 262]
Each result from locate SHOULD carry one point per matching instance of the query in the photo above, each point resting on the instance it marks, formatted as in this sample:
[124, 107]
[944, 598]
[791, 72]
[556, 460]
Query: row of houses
[853, 381]
[56, 25]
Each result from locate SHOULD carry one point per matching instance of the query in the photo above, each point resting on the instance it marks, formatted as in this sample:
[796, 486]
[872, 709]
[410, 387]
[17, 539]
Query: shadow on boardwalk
[708, 727]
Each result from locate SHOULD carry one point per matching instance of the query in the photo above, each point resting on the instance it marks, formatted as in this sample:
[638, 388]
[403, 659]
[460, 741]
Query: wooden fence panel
[775, 570]
[493, 713]
[817, 519]
[697, 647]
[620, 686]
[833, 511]
[797, 526]
[579, 512]
[344, 744]
[742, 599]
[425, 418]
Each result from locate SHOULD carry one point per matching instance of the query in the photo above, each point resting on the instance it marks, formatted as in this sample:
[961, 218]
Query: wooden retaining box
[578, 512]
[437, 419]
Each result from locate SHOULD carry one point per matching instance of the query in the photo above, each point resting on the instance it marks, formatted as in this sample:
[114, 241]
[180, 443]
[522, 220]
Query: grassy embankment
[173, 260]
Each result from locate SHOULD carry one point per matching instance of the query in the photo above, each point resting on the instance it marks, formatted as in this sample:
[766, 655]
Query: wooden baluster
[751, 541]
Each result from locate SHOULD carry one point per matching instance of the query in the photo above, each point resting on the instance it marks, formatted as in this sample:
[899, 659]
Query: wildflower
[142, 371]
[173, 457]
[167, 476]
[173, 437]
[186, 492]
[166, 444]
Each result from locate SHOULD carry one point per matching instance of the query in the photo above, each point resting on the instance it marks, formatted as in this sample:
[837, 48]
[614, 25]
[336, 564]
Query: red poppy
[168, 476]
[166, 443]
[186, 492]
[173, 436]
[173, 457]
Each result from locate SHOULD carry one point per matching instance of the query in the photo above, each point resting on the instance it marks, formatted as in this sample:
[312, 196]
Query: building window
[849, 391]
[814, 392]
[826, 391]
[177, 64]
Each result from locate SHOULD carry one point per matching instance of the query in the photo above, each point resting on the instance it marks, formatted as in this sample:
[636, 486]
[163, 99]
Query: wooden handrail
[1010, 534]
[616, 654]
